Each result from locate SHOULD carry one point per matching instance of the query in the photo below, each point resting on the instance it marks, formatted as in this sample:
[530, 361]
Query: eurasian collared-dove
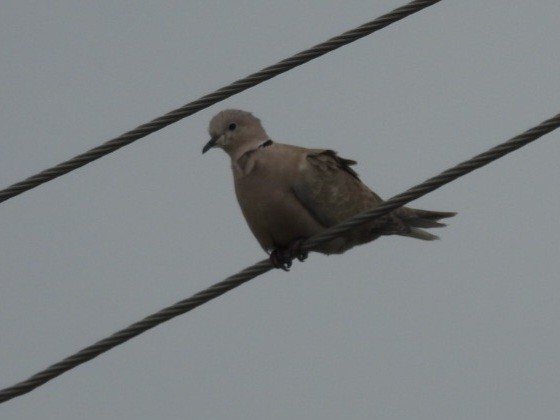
[289, 193]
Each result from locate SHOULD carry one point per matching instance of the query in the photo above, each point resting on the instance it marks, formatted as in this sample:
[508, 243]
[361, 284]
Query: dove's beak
[210, 144]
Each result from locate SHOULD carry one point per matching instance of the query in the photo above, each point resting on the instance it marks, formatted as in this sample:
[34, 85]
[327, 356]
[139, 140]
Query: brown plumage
[288, 193]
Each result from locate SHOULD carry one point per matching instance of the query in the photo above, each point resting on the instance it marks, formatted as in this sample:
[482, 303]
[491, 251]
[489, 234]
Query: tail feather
[431, 215]
[419, 234]
[423, 223]
[416, 219]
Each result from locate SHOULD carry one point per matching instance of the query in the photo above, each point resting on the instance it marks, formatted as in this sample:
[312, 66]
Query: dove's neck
[244, 163]
[265, 143]
[249, 147]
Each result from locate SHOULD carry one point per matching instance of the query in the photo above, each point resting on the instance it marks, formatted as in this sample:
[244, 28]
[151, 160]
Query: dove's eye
[232, 126]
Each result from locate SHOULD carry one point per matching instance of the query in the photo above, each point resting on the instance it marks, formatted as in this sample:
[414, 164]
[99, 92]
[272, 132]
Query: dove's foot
[295, 251]
[280, 258]
[283, 257]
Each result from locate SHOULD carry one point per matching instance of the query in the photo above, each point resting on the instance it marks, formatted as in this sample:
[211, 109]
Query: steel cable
[212, 98]
[262, 267]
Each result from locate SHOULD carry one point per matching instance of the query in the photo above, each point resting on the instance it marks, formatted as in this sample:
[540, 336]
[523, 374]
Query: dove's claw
[296, 251]
[283, 257]
[280, 259]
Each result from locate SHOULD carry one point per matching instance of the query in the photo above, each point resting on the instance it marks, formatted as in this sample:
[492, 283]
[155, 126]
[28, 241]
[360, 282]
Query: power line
[212, 98]
[262, 267]
[437, 181]
[133, 330]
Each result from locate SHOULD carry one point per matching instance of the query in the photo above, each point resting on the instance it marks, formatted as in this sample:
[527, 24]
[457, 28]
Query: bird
[289, 193]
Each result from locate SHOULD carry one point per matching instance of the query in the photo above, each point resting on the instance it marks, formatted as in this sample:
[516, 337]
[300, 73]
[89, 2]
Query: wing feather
[330, 189]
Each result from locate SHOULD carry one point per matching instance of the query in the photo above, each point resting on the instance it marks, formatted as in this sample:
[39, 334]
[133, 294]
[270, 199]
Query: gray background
[464, 328]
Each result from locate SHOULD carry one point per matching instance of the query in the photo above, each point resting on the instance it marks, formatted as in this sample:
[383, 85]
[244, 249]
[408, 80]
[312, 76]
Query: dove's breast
[264, 189]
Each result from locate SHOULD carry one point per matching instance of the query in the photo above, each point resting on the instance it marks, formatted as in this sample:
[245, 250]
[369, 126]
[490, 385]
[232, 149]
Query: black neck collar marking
[266, 144]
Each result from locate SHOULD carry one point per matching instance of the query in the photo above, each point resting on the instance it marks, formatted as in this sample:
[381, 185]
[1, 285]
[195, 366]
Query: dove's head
[235, 131]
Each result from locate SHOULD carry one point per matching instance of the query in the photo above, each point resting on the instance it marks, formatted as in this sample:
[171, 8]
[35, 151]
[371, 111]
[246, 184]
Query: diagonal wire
[263, 266]
[135, 329]
[435, 182]
[212, 98]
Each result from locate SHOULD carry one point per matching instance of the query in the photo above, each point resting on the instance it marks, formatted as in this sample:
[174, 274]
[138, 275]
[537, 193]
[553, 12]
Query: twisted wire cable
[212, 98]
[133, 330]
[263, 266]
[435, 182]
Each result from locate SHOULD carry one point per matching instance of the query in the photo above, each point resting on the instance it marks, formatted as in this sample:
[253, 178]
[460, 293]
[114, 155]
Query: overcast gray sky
[464, 328]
